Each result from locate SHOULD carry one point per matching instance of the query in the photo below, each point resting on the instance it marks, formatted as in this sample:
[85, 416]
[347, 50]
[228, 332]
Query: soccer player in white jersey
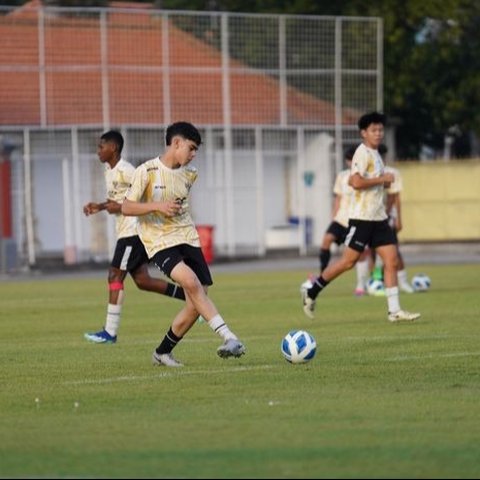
[368, 223]
[129, 256]
[160, 196]
[338, 228]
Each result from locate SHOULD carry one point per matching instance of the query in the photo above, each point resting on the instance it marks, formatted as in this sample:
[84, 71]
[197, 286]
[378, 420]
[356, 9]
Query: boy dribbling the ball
[160, 196]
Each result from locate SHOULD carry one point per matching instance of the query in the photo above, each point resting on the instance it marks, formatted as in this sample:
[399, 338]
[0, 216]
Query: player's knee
[395, 264]
[348, 264]
[115, 285]
[391, 264]
[191, 284]
[115, 275]
[142, 282]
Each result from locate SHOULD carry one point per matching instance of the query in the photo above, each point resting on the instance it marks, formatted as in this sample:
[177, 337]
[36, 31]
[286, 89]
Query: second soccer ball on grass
[376, 288]
[421, 282]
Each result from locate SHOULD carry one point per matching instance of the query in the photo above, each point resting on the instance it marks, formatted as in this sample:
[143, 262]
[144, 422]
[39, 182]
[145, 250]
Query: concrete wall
[440, 201]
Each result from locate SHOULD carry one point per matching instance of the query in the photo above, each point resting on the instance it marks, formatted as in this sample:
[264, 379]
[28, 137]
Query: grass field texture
[377, 401]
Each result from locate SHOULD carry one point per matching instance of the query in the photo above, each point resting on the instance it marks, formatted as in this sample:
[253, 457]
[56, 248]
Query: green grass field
[377, 401]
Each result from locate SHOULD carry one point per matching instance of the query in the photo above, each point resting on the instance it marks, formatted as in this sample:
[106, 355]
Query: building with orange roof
[269, 102]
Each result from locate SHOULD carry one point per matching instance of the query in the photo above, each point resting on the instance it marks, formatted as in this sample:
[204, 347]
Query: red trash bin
[205, 233]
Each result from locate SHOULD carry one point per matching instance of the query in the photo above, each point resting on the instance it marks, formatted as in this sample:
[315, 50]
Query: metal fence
[276, 97]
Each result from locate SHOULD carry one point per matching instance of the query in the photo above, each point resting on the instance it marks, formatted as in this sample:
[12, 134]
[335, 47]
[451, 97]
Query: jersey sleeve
[359, 162]
[138, 184]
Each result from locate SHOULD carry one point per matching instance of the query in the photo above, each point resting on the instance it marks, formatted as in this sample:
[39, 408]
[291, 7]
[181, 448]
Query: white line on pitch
[439, 355]
[169, 373]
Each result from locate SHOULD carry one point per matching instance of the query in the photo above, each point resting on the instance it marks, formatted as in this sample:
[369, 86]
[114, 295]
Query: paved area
[414, 254]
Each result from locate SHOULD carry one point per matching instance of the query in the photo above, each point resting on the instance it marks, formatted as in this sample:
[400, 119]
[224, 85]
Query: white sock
[392, 299]
[113, 319]
[362, 274]
[402, 277]
[218, 325]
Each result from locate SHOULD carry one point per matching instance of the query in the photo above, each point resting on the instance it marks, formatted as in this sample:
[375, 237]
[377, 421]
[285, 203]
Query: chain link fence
[276, 97]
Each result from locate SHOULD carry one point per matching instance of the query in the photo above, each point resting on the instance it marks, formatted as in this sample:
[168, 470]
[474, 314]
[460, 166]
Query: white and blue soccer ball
[375, 287]
[298, 346]
[421, 282]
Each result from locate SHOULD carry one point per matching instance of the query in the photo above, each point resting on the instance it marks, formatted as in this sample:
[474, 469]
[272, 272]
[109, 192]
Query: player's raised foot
[165, 359]
[308, 304]
[403, 316]
[231, 348]
[406, 287]
[100, 337]
[360, 292]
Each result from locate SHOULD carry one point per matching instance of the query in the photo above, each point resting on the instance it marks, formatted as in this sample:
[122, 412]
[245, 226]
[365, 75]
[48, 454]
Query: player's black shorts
[129, 254]
[338, 231]
[363, 233]
[166, 260]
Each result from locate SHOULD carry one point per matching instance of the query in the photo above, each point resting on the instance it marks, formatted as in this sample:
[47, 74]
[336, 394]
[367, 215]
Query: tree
[431, 71]
[431, 62]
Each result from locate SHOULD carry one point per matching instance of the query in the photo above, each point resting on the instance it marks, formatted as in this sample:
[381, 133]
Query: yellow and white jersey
[154, 182]
[368, 203]
[345, 191]
[395, 187]
[118, 180]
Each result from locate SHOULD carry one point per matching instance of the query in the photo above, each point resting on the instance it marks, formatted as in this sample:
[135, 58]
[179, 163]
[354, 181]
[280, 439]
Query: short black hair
[349, 152]
[370, 118]
[115, 137]
[185, 130]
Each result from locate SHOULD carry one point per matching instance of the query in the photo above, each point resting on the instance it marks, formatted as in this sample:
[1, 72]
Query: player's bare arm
[390, 202]
[93, 207]
[398, 206]
[361, 183]
[112, 207]
[336, 205]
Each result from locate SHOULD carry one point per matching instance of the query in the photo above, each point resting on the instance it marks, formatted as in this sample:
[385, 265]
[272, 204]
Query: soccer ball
[375, 288]
[421, 282]
[298, 346]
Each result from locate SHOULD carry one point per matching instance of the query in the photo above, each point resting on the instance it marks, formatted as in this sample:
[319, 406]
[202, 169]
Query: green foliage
[431, 68]
[378, 400]
[432, 86]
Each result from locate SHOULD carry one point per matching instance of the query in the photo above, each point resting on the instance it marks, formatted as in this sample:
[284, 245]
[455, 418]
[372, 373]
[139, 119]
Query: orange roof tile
[73, 76]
